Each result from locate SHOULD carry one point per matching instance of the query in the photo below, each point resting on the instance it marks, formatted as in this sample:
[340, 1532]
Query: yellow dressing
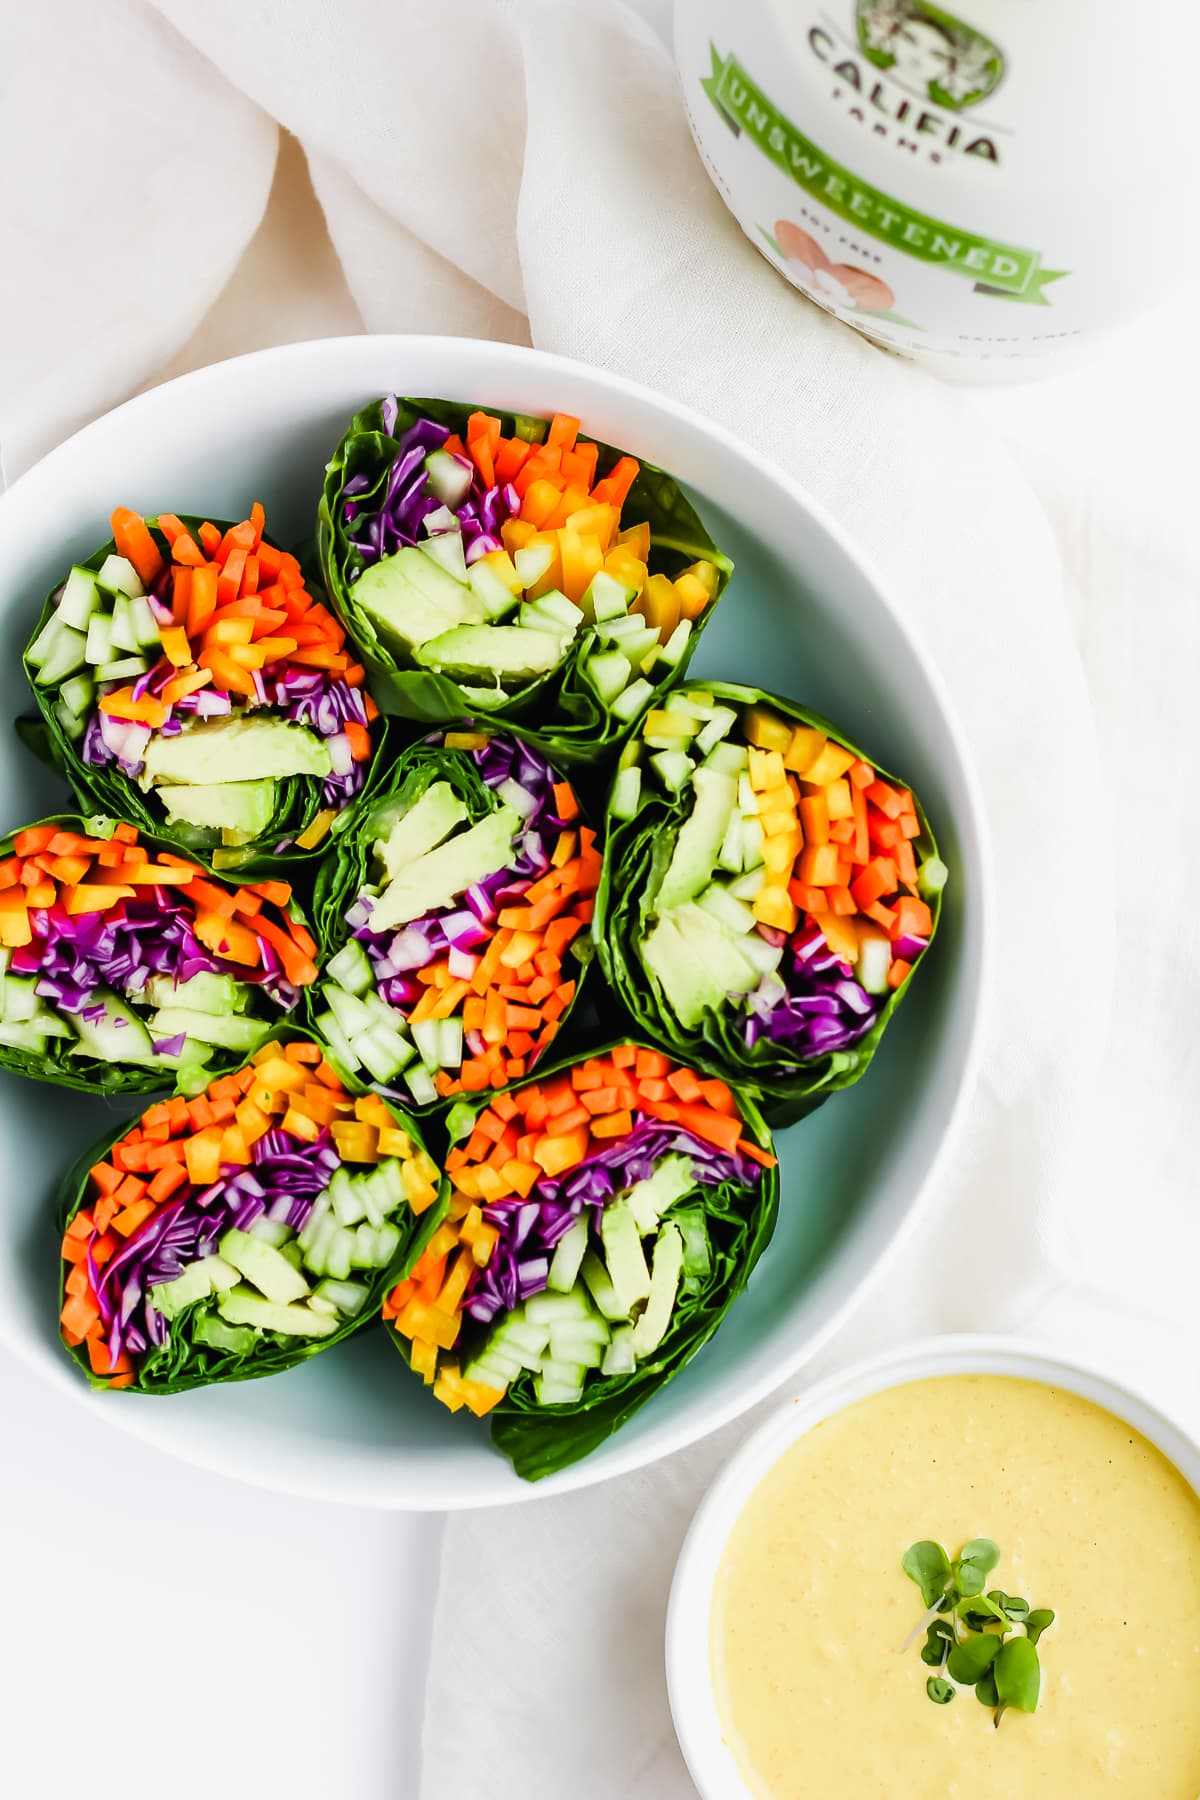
[811, 1606]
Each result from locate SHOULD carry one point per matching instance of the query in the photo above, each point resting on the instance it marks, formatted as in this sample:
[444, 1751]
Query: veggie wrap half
[501, 564]
[601, 1223]
[236, 1234]
[189, 681]
[766, 893]
[127, 968]
[454, 918]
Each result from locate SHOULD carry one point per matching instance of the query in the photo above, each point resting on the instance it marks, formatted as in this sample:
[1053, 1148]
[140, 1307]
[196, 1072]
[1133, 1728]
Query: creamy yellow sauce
[811, 1606]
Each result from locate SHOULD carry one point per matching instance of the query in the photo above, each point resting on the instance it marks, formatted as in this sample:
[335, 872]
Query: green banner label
[1002, 270]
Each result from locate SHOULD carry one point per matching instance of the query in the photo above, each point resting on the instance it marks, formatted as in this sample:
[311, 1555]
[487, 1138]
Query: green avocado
[696, 962]
[410, 598]
[700, 838]
[506, 653]
[437, 877]
[240, 748]
[242, 807]
[422, 828]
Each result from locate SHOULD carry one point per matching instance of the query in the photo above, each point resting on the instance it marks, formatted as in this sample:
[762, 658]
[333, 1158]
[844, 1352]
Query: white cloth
[522, 170]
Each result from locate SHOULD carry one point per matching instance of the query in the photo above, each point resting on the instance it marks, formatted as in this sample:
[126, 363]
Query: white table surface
[254, 1613]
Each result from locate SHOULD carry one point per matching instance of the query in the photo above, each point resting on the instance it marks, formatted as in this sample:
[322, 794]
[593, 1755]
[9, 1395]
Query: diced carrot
[132, 538]
[889, 800]
[617, 1124]
[913, 918]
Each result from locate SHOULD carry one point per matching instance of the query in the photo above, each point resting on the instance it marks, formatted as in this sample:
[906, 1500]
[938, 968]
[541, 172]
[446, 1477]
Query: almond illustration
[798, 246]
[864, 289]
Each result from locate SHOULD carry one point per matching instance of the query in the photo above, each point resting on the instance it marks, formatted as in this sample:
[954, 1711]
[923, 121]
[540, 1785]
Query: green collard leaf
[637, 852]
[560, 711]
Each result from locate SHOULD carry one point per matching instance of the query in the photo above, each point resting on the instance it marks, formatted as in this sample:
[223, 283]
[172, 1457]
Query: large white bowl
[803, 615]
[706, 1750]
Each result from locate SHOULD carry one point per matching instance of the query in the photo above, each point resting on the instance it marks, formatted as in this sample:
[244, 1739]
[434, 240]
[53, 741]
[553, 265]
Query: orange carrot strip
[132, 538]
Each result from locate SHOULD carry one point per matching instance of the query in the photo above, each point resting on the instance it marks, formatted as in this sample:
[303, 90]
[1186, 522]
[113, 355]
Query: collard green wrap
[728, 1209]
[468, 823]
[814, 997]
[287, 824]
[123, 1250]
[561, 711]
[116, 974]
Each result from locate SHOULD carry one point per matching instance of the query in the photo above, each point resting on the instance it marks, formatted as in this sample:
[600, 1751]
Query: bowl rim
[475, 357]
[694, 1712]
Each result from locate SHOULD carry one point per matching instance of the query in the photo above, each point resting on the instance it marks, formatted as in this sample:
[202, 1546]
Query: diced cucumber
[125, 668]
[146, 629]
[99, 648]
[674, 768]
[337, 1040]
[546, 1309]
[765, 957]
[23, 1037]
[672, 651]
[446, 548]
[271, 1231]
[492, 1368]
[351, 968]
[122, 636]
[619, 1358]
[339, 1252]
[568, 1254]
[496, 595]
[606, 598]
[609, 672]
[552, 609]
[596, 1279]
[348, 1297]
[726, 908]
[556, 1393]
[747, 799]
[420, 1085]
[233, 1032]
[202, 993]
[752, 844]
[532, 563]
[61, 656]
[18, 999]
[730, 759]
[242, 1306]
[576, 1332]
[263, 1266]
[438, 1047]
[292, 1253]
[932, 876]
[77, 694]
[117, 1037]
[351, 1013]
[627, 705]
[74, 724]
[585, 1352]
[623, 1254]
[729, 856]
[383, 1052]
[316, 1218]
[315, 1250]
[874, 962]
[117, 573]
[345, 1197]
[626, 793]
[79, 598]
[749, 886]
[719, 726]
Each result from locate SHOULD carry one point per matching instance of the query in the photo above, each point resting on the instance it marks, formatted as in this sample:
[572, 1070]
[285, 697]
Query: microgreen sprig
[987, 1641]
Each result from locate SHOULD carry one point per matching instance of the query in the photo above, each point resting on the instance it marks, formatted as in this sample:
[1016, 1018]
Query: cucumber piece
[606, 598]
[125, 668]
[446, 548]
[718, 727]
[121, 633]
[420, 1085]
[62, 656]
[729, 856]
[19, 1001]
[932, 876]
[117, 1037]
[749, 886]
[609, 672]
[208, 1329]
[595, 1277]
[346, 1198]
[765, 957]
[568, 1254]
[729, 758]
[271, 1231]
[727, 909]
[547, 1309]
[338, 1252]
[553, 609]
[79, 599]
[619, 1358]
[349, 1297]
[672, 651]
[317, 1216]
[270, 1273]
[752, 844]
[549, 1392]
[146, 629]
[584, 1352]
[651, 1328]
[674, 768]
[241, 1306]
[637, 695]
[626, 793]
[351, 968]
[337, 1040]
[495, 593]
[99, 647]
[874, 962]
[23, 1037]
[77, 694]
[383, 1052]
[492, 1367]
[233, 1032]
[117, 573]
[314, 1252]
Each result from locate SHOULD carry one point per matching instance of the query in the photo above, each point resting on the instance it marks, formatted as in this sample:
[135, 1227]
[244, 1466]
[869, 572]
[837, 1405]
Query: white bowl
[709, 1758]
[803, 615]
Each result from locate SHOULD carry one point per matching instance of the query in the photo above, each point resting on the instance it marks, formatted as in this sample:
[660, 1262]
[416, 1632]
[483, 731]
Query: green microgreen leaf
[981, 1551]
[939, 1641]
[970, 1661]
[1018, 1674]
[985, 1690]
[1038, 1621]
[978, 1612]
[1011, 1604]
[939, 1691]
[928, 1565]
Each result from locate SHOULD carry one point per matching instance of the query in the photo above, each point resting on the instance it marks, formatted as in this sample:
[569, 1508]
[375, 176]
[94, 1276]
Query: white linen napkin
[522, 170]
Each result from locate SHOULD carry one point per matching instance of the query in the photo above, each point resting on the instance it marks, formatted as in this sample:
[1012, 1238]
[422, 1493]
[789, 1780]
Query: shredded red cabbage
[394, 520]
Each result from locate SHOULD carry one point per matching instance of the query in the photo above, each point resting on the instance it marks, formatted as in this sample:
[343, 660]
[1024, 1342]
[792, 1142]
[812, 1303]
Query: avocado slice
[410, 598]
[237, 749]
[437, 877]
[623, 1254]
[696, 962]
[209, 1275]
[701, 835]
[651, 1328]
[648, 1200]
[422, 828]
[262, 1265]
[506, 653]
[241, 1306]
[245, 807]
[231, 1032]
[203, 993]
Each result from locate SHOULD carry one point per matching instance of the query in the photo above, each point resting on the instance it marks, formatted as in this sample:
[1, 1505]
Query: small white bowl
[708, 1755]
[804, 614]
